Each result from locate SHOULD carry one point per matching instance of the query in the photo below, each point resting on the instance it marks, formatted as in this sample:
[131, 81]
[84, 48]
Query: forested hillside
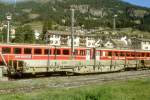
[89, 13]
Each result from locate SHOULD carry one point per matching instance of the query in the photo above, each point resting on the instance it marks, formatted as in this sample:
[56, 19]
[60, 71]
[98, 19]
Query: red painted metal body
[40, 52]
[44, 58]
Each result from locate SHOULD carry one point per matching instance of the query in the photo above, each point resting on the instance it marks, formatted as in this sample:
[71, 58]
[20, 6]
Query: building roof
[119, 43]
[141, 39]
[77, 33]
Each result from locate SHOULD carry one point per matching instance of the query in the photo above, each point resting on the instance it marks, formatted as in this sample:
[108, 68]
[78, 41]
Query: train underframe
[75, 67]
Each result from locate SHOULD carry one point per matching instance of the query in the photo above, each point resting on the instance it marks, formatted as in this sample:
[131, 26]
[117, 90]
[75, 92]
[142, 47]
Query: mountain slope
[89, 13]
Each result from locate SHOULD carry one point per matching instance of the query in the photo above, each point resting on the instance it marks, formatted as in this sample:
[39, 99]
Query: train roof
[82, 47]
[124, 49]
[38, 45]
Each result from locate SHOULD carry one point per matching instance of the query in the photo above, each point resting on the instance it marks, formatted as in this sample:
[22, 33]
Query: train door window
[37, 51]
[17, 50]
[82, 52]
[46, 51]
[57, 52]
[75, 52]
[87, 52]
[6, 50]
[109, 53]
[66, 52]
[27, 51]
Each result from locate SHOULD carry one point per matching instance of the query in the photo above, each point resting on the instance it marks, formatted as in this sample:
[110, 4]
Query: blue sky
[144, 3]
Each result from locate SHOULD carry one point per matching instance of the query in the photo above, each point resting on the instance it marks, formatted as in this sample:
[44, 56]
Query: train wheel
[19, 74]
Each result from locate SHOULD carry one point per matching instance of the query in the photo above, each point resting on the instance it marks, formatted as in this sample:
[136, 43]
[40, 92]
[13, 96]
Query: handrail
[3, 59]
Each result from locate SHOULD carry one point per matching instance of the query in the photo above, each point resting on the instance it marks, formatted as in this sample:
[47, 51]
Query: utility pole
[8, 27]
[72, 33]
[114, 21]
[48, 44]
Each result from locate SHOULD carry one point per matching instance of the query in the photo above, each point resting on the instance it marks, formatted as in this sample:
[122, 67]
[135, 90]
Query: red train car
[25, 58]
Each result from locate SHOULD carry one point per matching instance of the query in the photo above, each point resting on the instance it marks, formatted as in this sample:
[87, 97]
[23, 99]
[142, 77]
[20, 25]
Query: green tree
[3, 36]
[19, 36]
[29, 36]
[24, 34]
[47, 25]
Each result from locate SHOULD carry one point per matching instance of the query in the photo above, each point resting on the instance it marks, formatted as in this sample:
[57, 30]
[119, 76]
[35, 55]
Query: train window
[46, 51]
[122, 54]
[128, 54]
[147, 54]
[116, 53]
[82, 52]
[27, 51]
[57, 52]
[37, 51]
[138, 54]
[133, 54]
[6, 50]
[143, 54]
[66, 52]
[17, 50]
[109, 53]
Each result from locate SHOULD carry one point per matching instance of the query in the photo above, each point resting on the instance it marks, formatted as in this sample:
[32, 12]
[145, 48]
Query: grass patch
[127, 90]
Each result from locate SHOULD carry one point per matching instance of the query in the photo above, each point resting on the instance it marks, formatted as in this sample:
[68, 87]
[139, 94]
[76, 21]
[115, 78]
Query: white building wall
[145, 45]
[55, 40]
[108, 44]
[90, 42]
[76, 41]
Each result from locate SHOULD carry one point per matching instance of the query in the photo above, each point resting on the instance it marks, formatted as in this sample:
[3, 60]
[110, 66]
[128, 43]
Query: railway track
[74, 81]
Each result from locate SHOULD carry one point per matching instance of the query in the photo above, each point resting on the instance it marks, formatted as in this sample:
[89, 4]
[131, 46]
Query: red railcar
[25, 58]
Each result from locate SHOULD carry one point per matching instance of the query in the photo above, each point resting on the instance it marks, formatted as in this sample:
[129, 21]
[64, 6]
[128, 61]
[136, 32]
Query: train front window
[6, 50]
[17, 50]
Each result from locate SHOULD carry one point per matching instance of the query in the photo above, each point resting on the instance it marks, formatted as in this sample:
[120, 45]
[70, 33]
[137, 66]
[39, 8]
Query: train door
[97, 55]
[88, 54]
